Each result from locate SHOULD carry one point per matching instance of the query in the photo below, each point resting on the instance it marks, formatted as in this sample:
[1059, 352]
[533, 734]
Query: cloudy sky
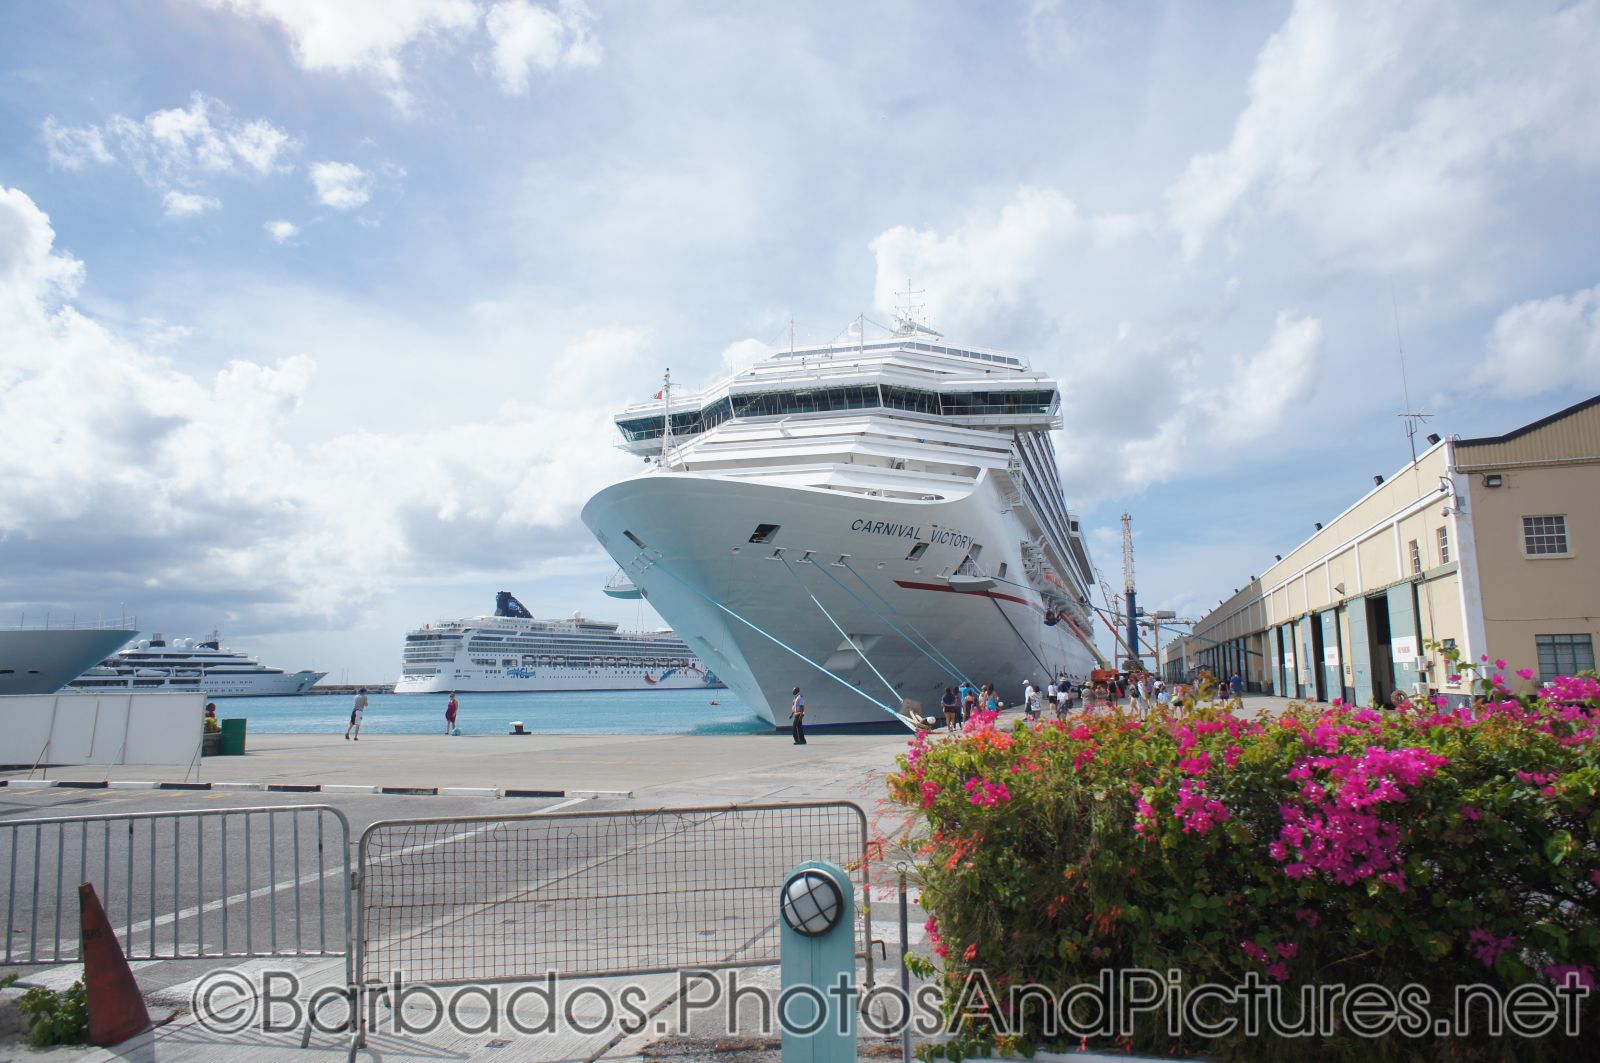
[313, 316]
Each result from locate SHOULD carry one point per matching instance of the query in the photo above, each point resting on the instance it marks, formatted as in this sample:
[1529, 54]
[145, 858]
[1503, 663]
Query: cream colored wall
[1523, 596]
[1373, 508]
[1377, 562]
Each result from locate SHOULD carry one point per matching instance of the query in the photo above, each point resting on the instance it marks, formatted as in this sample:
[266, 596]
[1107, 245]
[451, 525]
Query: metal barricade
[509, 898]
[217, 883]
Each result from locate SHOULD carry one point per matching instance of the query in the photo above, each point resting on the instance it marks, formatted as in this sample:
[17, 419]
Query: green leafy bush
[56, 1018]
[1423, 847]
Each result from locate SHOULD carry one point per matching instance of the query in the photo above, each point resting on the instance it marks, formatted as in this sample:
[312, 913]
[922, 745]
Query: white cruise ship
[192, 664]
[40, 660]
[871, 521]
[514, 651]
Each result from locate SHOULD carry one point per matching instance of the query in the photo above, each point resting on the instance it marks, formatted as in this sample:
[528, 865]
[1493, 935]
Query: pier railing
[216, 883]
[510, 898]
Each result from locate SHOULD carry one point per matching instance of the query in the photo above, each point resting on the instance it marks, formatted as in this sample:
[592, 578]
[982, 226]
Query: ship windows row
[1031, 402]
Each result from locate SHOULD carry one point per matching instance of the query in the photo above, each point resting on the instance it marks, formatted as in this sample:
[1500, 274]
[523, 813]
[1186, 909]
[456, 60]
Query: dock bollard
[817, 1002]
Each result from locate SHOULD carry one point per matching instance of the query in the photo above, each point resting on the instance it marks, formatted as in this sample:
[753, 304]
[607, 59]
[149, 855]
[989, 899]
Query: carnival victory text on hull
[872, 521]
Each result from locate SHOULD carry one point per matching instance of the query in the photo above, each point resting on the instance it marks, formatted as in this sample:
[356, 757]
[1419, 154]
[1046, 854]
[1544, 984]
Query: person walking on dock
[450, 712]
[797, 713]
[357, 709]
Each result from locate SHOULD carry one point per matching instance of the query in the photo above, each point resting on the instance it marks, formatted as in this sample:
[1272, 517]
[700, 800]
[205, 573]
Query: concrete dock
[654, 769]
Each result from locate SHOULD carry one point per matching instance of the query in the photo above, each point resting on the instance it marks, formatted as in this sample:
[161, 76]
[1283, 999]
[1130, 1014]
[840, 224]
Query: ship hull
[212, 686]
[554, 679]
[766, 624]
[43, 660]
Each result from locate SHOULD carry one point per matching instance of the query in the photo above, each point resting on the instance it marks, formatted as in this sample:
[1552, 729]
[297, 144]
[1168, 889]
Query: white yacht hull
[550, 678]
[43, 660]
[213, 686]
[697, 556]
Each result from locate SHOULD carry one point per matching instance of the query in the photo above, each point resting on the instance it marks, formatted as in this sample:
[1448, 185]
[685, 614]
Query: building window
[1544, 536]
[1564, 655]
[1444, 546]
[1416, 558]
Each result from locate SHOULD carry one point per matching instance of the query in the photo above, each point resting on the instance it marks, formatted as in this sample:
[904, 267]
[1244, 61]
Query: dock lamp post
[817, 1003]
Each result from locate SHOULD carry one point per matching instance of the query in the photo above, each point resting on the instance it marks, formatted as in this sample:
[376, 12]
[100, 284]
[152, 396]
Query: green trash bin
[233, 737]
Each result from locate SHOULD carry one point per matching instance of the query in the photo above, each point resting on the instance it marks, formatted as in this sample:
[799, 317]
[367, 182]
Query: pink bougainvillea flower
[1468, 812]
[986, 794]
[1287, 951]
[1308, 917]
[1487, 947]
[1499, 664]
[1254, 951]
[1278, 971]
[1569, 973]
[1524, 673]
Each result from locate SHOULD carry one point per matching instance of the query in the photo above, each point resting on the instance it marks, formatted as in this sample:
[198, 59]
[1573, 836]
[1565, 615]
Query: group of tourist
[1060, 695]
[960, 703]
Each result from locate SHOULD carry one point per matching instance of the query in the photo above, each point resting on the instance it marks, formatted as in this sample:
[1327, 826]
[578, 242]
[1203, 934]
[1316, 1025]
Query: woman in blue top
[951, 708]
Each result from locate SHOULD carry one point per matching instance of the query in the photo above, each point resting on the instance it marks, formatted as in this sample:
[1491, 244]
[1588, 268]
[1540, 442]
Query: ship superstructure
[871, 520]
[154, 664]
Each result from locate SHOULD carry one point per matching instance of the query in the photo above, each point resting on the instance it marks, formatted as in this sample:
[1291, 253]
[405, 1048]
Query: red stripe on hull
[911, 586]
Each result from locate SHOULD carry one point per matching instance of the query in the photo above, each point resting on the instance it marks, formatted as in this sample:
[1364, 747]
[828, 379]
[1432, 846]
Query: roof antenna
[1413, 420]
[907, 316]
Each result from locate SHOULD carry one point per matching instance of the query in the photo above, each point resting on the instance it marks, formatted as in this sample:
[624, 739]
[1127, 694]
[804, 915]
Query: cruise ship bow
[871, 522]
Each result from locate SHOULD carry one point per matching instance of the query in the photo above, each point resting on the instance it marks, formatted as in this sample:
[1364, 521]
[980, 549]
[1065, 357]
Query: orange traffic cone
[116, 1007]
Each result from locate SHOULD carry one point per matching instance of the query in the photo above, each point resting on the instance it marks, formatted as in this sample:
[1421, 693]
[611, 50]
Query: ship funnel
[506, 605]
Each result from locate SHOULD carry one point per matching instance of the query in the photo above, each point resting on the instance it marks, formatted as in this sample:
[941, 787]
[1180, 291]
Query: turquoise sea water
[587, 712]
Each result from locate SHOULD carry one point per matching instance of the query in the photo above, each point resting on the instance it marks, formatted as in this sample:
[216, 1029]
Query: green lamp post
[817, 1003]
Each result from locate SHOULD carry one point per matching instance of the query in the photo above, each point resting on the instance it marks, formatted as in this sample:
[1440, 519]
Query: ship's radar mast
[666, 416]
[907, 312]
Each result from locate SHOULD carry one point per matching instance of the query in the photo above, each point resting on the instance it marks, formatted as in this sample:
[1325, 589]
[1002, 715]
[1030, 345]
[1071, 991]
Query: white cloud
[195, 480]
[1544, 344]
[1388, 133]
[176, 151]
[281, 231]
[1171, 409]
[737, 357]
[526, 36]
[188, 204]
[341, 185]
[988, 264]
[357, 35]
[1139, 410]
[73, 149]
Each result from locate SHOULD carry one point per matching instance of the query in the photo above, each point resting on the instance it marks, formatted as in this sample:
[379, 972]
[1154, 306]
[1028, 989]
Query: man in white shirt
[357, 709]
[797, 713]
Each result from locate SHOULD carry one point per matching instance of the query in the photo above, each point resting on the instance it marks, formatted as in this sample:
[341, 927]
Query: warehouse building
[1489, 545]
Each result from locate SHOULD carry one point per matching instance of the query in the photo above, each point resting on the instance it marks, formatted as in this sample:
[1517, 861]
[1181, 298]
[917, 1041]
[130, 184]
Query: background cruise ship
[192, 664]
[513, 651]
[870, 521]
[40, 660]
